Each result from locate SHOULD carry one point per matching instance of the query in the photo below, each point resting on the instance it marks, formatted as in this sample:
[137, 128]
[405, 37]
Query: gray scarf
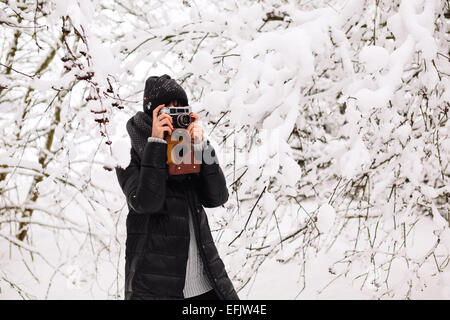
[139, 128]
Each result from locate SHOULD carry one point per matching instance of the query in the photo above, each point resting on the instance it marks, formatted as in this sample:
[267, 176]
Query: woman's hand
[195, 130]
[161, 123]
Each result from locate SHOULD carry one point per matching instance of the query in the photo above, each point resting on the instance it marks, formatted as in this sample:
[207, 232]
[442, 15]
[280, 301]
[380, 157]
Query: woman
[170, 252]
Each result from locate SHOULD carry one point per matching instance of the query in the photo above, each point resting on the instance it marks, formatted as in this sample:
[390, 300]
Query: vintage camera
[180, 116]
[181, 119]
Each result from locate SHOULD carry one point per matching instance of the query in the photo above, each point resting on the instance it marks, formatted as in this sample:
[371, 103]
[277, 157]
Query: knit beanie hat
[163, 89]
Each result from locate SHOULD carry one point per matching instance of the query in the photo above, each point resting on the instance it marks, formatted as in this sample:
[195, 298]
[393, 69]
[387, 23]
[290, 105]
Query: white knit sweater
[197, 281]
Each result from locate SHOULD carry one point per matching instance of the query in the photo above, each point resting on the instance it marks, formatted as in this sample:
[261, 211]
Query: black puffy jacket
[157, 225]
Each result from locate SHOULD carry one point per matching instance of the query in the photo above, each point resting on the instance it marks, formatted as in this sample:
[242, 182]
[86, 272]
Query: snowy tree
[330, 118]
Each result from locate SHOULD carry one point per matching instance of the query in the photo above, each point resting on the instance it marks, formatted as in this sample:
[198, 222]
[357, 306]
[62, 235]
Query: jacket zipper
[199, 245]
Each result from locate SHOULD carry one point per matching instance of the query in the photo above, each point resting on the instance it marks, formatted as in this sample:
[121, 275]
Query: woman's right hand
[161, 123]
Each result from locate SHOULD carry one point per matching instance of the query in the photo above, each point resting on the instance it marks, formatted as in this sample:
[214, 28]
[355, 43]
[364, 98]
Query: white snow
[320, 103]
[374, 58]
[325, 218]
[355, 160]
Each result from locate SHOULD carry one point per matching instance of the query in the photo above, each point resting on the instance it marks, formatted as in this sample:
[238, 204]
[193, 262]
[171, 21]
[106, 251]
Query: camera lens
[184, 120]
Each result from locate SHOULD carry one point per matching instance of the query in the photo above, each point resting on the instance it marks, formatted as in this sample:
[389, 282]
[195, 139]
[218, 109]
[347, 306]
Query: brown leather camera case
[181, 168]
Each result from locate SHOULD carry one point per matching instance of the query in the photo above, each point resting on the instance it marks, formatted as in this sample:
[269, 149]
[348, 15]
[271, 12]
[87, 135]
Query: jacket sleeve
[213, 186]
[144, 182]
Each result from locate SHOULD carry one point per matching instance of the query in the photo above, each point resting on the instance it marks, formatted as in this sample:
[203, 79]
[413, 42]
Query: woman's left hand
[195, 130]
